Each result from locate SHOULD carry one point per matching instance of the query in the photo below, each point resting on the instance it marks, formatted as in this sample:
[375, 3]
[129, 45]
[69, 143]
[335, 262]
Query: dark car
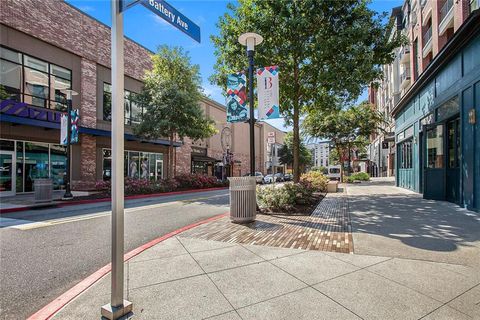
[288, 177]
[279, 177]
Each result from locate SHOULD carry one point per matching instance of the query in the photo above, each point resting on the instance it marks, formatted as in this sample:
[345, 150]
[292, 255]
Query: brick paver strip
[327, 229]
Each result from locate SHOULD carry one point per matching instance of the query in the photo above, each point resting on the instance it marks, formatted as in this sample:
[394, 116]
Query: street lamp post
[251, 39]
[69, 93]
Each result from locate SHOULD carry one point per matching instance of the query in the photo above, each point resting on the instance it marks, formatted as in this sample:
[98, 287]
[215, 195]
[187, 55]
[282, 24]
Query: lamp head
[250, 39]
[69, 93]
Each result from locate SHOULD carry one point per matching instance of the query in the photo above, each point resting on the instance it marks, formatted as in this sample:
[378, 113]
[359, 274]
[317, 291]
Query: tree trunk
[296, 128]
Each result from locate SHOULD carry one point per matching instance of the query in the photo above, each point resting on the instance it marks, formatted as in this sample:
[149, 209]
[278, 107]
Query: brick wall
[183, 160]
[58, 23]
[87, 164]
[88, 106]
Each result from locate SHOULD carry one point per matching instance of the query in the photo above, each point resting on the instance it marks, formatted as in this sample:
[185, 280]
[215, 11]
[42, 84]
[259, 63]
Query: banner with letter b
[268, 93]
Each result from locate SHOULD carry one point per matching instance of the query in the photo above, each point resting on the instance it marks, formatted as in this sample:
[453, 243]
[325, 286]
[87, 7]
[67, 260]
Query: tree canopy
[347, 129]
[171, 99]
[285, 153]
[327, 51]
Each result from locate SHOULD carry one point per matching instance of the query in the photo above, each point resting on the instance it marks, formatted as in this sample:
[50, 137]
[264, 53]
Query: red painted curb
[53, 307]
[139, 196]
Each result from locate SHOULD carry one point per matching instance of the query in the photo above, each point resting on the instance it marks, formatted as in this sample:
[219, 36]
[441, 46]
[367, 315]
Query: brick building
[40, 59]
[436, 107]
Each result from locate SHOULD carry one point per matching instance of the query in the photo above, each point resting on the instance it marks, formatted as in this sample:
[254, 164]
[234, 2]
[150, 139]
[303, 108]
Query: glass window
[10, 80]
[435, 147]
[58, 159]
[35, 64]
[107, 164]
[61, 72]
[36, 88]
[36, 163]
[7, 145]
[144, 165]
[448, 109]
[107, 102]
[132, 110]
[19, 173]
[133, 164]
[10, 55]
[59, 101]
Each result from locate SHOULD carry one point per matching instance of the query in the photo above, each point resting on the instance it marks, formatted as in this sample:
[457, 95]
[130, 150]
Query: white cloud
[159, 21]
[86, 8]
[213, 92]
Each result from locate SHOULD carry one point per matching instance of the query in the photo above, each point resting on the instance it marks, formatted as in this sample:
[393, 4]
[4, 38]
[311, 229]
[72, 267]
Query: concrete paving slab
[191, 298]
[313, 267]
[168, 248]
[374, 297]
[254, 283]
[225, 258]
[269, 253]
[426, 277]
[305, 304]
[232, 315]
[360, 261]
[196, 245]
[446, 313]
[468, 302]
[149, 272]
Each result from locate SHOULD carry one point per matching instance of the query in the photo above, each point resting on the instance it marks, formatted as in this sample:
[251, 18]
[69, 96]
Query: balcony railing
[447, 6]
[427, 35]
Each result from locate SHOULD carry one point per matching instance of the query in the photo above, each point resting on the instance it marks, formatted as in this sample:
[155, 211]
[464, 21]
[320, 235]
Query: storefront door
[434, 162]
[453, 161]
[7, 173]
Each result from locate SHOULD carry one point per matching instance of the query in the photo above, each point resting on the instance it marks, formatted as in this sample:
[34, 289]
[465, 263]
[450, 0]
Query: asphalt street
[43, 253]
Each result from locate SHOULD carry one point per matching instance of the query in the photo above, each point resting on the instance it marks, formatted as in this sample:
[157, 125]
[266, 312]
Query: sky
[151, 31]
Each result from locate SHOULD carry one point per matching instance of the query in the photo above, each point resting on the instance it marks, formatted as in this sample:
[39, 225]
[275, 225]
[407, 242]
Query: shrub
[316, 179]
[283, 198]
[360, 176]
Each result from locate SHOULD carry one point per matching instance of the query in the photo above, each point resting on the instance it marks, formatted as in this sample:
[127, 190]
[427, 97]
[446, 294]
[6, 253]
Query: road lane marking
[25, 225]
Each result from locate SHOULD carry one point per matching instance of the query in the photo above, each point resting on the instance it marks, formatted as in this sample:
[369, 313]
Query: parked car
[288, 177]
[269, 178]
[334, 172]
[258, 176]
[279, 177]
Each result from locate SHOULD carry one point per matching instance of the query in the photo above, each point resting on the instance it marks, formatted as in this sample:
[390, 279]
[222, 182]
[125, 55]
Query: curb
[139, 196]
[53, 307]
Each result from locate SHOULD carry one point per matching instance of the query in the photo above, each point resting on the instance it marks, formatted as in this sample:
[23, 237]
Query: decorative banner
[268, 93]
[64, 126]
[236, 98]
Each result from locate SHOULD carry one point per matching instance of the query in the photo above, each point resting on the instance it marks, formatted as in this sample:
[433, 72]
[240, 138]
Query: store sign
[199, 151]
[271, 140]
[268, 93]
[23, 110]
[172, 16]
[236, 98]
[271, 134]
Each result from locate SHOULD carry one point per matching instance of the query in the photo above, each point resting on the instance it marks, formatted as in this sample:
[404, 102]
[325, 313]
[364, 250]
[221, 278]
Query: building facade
[437, 117]
[320, 153]
[40, 55]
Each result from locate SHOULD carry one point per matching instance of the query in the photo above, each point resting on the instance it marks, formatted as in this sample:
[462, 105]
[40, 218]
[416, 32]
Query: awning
[203, 158]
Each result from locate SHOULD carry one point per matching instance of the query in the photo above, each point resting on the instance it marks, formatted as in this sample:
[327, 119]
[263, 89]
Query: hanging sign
[172, 16]
[268, 93]
[64, 128]
[236, 98]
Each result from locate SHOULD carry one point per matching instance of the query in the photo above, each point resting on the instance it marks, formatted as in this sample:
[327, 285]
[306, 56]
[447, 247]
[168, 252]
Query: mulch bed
[299, 209]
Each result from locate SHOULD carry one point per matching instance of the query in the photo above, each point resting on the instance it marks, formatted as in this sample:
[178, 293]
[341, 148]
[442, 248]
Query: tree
[347, 129]
[327, 51]
[171, 100]
[285, 153]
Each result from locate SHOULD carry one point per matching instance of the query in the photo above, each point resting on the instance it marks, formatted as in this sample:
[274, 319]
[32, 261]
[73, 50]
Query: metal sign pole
[118, 307]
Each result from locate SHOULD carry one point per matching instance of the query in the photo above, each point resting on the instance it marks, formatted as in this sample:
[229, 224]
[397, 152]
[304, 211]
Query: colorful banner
[268, 93]
[237, 98]
[64, 126]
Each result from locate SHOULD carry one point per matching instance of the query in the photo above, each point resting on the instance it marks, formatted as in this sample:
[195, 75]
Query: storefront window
[36, 163]
[406, 154]
[448, 109]
[34, 81]
[435, 147]
[19, 173]
[138, 165]
[58, 171]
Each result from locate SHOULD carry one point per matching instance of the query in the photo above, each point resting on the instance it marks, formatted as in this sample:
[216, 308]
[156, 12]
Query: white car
[258, 177]
[269, 178]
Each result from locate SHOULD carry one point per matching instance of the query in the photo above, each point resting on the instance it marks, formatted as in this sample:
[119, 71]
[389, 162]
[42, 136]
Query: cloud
[159, 21]
[213, 92]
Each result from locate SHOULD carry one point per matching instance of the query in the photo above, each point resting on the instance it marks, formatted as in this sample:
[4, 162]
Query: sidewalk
[189, 277]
